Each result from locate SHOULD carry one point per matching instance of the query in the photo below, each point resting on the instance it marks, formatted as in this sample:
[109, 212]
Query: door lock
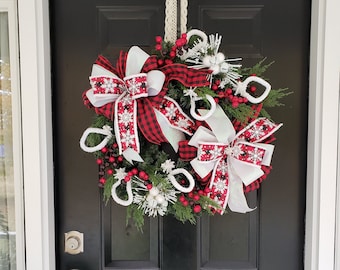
[74, 242]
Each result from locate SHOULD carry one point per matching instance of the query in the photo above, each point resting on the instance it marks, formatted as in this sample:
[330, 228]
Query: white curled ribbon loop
[198, 45]
[106, 131]
[118, 200]
[241, 89]
[193, 98]
[234, 159]
[172, 179]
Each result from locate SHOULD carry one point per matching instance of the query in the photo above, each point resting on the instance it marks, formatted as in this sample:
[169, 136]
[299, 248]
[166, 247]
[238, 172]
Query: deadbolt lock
[74, 242]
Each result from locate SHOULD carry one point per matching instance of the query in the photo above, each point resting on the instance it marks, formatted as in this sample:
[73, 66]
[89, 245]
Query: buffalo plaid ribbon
[146, 118]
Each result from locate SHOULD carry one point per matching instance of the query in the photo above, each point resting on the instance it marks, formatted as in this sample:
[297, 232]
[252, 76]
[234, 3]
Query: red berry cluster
[168, 55]
[110, 161]
[192, 199]
[228, 94]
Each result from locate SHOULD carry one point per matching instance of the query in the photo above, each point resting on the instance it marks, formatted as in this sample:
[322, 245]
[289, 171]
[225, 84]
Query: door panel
[270, 237]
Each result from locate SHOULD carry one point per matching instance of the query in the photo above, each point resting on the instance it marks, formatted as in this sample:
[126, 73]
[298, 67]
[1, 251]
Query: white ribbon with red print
[108, 87]
[234, 159]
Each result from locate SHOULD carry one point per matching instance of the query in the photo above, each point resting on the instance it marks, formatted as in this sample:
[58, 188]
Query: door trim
[322, 135]
[35, 73]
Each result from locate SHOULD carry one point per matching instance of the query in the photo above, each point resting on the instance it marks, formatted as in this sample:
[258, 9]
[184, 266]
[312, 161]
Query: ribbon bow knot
[234, 159]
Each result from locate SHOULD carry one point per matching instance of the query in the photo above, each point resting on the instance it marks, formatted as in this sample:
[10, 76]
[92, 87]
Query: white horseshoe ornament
[106, 130]
[128, 191]
[209, 113]
[171, 177]
[241, 89]
[198, 46]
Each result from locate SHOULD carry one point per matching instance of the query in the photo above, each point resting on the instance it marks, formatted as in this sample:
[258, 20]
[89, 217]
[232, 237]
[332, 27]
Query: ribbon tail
[237, 201]
[131, 155]
[173, 136]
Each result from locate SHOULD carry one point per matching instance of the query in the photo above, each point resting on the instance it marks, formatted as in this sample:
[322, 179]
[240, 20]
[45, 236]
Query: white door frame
[323, 134]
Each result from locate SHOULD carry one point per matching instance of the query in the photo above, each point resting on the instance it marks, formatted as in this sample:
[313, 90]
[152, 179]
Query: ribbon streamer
[233, 159]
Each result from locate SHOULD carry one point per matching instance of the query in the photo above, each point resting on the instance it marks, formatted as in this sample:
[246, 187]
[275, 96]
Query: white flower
[168, 166]
[120, 174]
[154, 202]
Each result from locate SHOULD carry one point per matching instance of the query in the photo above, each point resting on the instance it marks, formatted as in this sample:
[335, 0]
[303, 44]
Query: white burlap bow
[234, 159]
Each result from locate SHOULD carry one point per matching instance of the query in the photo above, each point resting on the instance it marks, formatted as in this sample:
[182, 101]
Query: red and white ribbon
[234, 159]
[108, 87]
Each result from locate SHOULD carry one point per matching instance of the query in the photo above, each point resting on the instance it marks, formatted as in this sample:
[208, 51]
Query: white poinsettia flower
[120, 174]
[168, 166]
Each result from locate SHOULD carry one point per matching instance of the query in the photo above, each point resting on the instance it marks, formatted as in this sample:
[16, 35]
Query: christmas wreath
[181, 132]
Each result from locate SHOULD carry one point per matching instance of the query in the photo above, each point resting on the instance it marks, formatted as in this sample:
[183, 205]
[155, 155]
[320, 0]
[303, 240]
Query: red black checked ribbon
[146, 118]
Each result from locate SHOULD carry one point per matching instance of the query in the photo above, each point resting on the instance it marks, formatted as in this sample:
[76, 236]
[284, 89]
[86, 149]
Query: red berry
[168, 61]
[221, 94]
[109, 171]
[184, 36]
[134, 171]
[172, 54]
[102, 180]
[120, 158]
[240, 100]
[185, 203]
[214, 87]
[158, 39]
[197, 208]
[200, 192]
[104, 150]
[207, 190]
[252, 88]
[158, 47]
[127, 178]
[141, 174]
[179, 43]
[235, 104]
[196, 197]
[99, 161]
[216, 99]
[112, 159]
[245, 100]
[115, 145]
[229, 91]
[182, 198]
[149, 186]
[190, 194]
[160, 62]
[130, 173]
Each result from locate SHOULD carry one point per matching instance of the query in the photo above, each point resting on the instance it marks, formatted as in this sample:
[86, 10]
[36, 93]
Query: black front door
[272, 236]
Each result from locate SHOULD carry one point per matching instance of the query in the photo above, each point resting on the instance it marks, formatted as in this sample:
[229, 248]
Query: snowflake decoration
[168, 166]
[128, 137]
[126, 117]
[109, 85]
[221, 185]
[171, 111]
[120, 174]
